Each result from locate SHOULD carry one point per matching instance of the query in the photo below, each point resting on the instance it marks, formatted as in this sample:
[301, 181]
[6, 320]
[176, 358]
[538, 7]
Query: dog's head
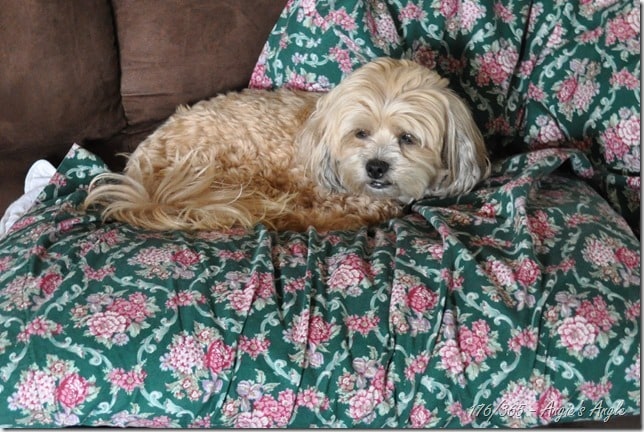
[393, 129]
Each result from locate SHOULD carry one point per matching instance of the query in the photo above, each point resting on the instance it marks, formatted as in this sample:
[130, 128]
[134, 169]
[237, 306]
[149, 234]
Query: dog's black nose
[376, 168]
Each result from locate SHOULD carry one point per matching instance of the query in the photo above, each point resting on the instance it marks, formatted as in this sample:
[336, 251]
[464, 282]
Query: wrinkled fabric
[515, 305]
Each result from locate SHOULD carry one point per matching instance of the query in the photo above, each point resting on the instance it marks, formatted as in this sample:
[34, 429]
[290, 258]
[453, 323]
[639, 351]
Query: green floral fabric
[537, 74]
[515, 305]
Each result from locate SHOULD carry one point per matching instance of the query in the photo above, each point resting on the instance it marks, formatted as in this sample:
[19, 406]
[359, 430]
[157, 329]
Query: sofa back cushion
[59, 69]
[175, 52]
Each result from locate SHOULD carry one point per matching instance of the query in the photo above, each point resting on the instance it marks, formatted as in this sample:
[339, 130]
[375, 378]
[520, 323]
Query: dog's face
[392, 129]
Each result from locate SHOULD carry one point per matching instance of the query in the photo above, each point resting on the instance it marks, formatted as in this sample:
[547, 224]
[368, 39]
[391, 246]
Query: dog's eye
[362, 134]
[406, 139]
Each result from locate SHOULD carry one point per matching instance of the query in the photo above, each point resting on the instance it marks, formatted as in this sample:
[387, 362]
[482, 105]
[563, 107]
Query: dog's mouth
[379, 185]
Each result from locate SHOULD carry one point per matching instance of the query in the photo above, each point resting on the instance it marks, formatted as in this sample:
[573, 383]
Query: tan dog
[390, 133]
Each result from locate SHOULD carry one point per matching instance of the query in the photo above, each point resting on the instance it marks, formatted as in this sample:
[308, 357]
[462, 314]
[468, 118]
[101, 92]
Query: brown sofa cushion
[176, 51]
[58, 82]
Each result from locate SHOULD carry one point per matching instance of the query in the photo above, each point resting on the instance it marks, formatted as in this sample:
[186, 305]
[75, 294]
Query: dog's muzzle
[376, 170]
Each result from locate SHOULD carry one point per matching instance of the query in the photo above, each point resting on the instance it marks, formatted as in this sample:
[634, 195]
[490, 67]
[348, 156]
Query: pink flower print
[487, 210]
[311, 399]
[262, 285]
[184, 298]
[527, 272]
[201, 422]
[614, 147]
[98, 274]
[419, 416]
[451, 358]
[36, 390]
[436, 251]
[349, 274]
[364, 402]
[411, 12]
[633, 310]
[595, 391]
[425, 56]
[599, 253]
[50, 282]
[347, 382]
[231, 255]
[106, 324]
[135, 311]
[153, 257]
[576, 332]
[525, 338]
[549, 131]
[417, 366]
[503, 13]
[591, 36]
[518, 400]
[597, 313]
[361, 324]
[275, 410]
[298, 332]
[536, 93]
[219, 357]
[128, 381]
[252, 420]
[242, 299]
[628, 131]
[497, 66]
[184, 354]
[386, 30]
[39, 326]
[541, 226]
[624, 78]
[254, 346]
[319, 330]
[633, 371]
[620, 29]
[6, 263]
[287, 399]
[452, 279]
[448, 8]
[499, 273]
[186, 257]
[469, 12]
[72, 390]
[295, 285]
[567, 90]
[58, 368]
[549, 404]
[474, 343]
[259, 79]
[465, 417]
[341, 18]
[421, 299]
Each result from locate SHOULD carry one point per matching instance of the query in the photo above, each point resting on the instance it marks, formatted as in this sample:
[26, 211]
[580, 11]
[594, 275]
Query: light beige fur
[390, 133]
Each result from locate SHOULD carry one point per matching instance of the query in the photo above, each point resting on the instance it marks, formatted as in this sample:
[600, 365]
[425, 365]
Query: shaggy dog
[390, 133]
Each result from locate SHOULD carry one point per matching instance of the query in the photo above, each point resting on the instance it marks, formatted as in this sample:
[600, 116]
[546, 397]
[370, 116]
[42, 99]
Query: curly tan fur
[293, 159]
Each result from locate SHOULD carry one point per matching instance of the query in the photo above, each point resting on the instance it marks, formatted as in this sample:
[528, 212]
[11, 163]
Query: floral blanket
[515, 305]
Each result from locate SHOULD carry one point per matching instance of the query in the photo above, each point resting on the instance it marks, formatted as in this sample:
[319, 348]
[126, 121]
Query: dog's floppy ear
[464, 152]
[314, 142]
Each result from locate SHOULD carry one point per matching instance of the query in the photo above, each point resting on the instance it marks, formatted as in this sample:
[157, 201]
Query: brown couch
[104, 73]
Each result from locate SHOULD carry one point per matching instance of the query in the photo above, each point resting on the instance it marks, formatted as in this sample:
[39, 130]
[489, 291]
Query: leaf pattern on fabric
[515, 305]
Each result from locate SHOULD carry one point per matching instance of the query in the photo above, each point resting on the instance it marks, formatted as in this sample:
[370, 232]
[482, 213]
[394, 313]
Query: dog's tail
[181, 199]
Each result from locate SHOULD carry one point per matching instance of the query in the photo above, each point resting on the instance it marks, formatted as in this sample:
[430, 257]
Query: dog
[390, 133]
